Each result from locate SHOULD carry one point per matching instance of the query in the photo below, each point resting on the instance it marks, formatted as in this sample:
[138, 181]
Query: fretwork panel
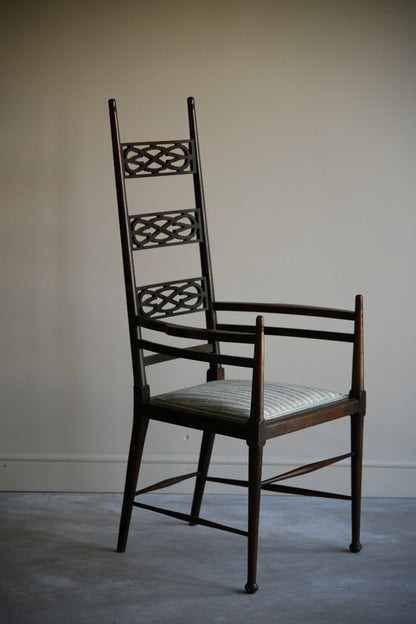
[174, 227]
[172, 298]
[158, 158]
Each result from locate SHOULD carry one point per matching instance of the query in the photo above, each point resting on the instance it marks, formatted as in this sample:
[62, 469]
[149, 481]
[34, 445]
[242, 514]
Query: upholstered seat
[232, 399]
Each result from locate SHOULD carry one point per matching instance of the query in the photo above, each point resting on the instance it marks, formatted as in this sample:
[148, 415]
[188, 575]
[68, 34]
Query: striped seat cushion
[232, 399]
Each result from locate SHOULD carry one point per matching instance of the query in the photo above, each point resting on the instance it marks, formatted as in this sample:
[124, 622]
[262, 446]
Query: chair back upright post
[139, 373]
[215, 371]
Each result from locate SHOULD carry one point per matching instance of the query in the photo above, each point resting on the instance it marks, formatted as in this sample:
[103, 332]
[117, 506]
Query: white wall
[308, 132]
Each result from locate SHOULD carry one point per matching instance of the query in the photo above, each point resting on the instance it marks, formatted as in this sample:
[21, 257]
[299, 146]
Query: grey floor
[58, 563]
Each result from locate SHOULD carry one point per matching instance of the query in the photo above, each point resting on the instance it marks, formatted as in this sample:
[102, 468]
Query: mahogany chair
[253, 411]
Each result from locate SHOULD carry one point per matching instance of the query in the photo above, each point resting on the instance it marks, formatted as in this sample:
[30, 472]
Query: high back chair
[252, 410]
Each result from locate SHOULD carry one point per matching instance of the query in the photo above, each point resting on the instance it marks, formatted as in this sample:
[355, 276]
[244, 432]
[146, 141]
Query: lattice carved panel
[174, 227]
[158, 158]
[172, 298]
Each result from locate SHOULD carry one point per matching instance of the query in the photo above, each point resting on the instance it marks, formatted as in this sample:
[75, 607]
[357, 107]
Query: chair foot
[355, 547]
[251, 588]
[122, 540]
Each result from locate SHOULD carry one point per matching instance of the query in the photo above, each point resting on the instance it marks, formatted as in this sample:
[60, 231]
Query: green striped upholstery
[232, 399]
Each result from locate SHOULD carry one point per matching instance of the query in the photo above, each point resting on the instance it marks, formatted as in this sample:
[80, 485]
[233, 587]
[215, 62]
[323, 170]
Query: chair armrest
[283, 308]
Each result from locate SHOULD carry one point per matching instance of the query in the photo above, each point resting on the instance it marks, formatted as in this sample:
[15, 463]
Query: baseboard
[104, 472]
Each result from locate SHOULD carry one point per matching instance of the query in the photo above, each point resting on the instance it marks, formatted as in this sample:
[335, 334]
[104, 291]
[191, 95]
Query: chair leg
[357, 422]
[138, 437]
[254, 492]
[203, 465]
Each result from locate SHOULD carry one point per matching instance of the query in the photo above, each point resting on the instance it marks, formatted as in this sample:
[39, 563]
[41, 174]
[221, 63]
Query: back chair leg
[357, 422]
[254, 492]
[203, 465]
[135, 457]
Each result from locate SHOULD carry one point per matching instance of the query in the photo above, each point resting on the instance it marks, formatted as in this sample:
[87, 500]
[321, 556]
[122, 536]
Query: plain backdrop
[307, 125]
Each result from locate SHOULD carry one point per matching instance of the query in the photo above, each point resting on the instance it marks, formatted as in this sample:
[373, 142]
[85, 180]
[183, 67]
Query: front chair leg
[203, 465]
[357, 422]
[254, 492]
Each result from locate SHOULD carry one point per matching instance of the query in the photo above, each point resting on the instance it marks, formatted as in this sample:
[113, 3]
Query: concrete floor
[58, 563]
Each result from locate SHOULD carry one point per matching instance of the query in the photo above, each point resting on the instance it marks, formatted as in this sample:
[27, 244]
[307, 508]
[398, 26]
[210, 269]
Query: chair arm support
[198, 333]
[257, 393]
[293, 332]
[357, 383]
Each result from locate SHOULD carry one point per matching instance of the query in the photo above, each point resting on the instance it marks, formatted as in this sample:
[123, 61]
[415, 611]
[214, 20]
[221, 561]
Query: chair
[254, 411]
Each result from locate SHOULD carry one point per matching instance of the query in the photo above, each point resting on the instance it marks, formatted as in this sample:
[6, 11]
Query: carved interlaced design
[174, 227]
[158, 158]
[172, 298]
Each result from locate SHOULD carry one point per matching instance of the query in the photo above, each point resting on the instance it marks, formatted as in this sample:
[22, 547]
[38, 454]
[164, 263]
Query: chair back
[143, 231]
